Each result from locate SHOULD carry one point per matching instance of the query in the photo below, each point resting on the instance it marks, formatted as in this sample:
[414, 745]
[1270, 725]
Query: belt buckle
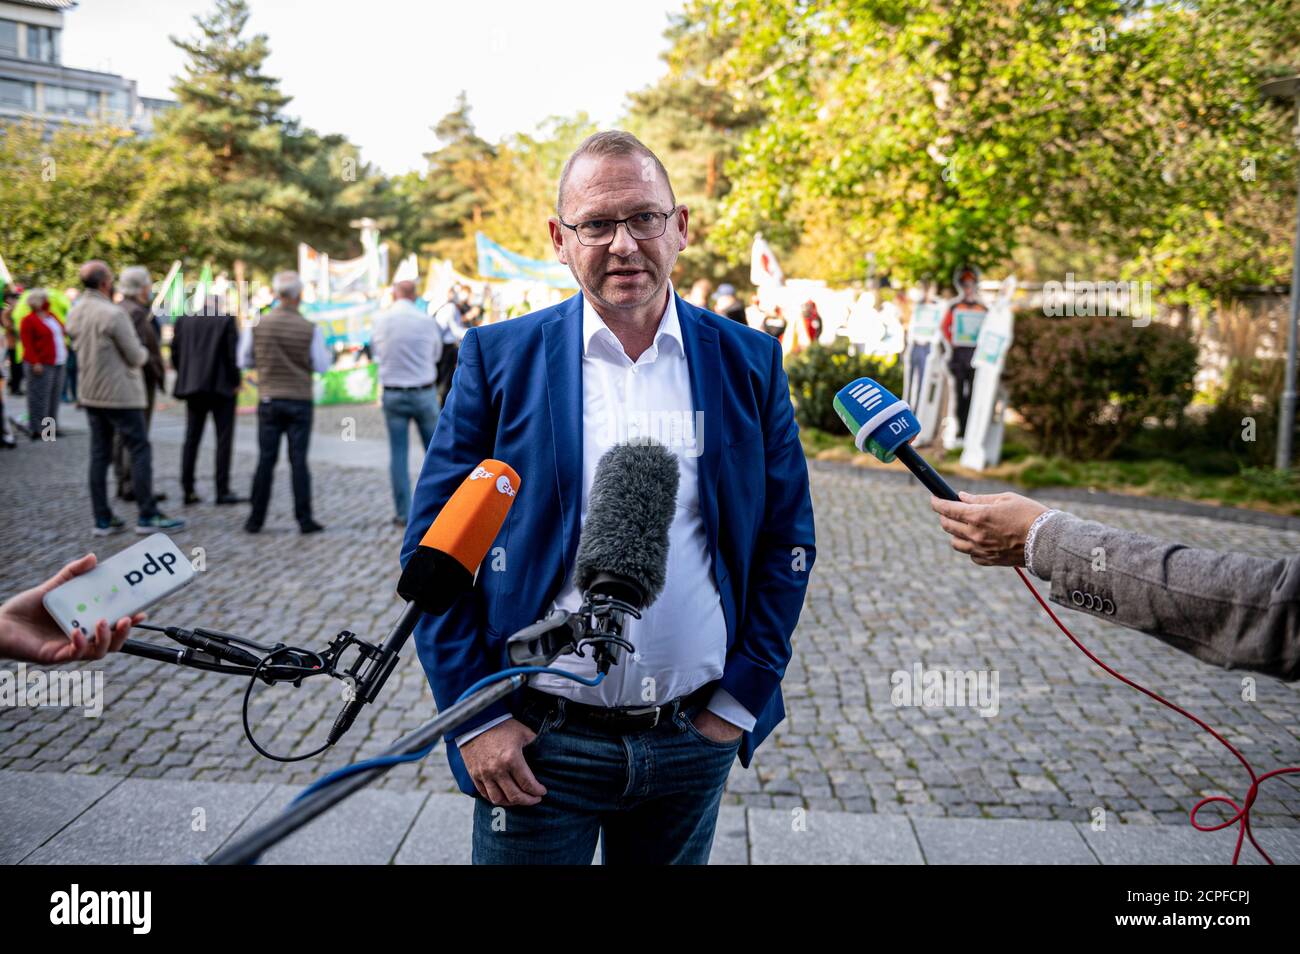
[646, 711]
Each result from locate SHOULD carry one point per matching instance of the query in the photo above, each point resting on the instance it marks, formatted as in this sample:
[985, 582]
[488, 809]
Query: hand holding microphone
[989, 528]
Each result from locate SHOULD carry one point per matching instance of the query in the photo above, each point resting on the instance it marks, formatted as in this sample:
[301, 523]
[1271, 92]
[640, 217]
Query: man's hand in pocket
[495, 761]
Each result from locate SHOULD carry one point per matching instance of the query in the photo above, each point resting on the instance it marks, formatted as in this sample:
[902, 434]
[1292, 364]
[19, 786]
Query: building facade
[34, 83]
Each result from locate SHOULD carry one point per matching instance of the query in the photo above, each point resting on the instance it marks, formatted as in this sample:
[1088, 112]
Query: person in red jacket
[961, 327]
[45, 354]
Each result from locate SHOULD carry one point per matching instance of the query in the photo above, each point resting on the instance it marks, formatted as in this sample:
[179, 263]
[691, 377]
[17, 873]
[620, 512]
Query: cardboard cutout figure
[984, 423]
[925, 359]
[961, 327]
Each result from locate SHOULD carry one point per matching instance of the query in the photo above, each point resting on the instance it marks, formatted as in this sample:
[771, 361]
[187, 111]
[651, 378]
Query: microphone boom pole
[247, 849]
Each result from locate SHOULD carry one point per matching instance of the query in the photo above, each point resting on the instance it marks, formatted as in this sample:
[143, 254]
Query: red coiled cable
[1242, 813]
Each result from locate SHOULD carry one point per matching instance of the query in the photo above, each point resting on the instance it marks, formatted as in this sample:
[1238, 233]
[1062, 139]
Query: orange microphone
[441, 569]
[448, 557]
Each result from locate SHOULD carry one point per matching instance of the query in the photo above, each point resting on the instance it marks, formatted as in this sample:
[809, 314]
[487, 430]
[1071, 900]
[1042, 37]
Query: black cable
[248, 694]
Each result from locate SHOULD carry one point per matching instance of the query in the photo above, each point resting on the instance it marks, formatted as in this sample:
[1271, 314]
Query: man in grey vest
[285, 348]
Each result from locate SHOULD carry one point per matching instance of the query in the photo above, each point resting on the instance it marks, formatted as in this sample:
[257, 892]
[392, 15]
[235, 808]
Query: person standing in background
[11, 340]
[207, 380]
[728, 305]
[112, 392]
[407, 343]
[70, 369]
[700, 292]
[136, 290]
[44, 353]
[285, 348]
[451, 322]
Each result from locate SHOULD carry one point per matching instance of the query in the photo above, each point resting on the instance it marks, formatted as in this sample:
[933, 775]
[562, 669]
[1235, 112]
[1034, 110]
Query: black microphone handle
[926, 474]
[397, 638]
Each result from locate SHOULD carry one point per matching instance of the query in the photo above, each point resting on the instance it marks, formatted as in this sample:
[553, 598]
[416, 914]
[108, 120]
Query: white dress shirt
[681, 638]
[320, 355]
[451, 320]
[407, 343]
[56, 329]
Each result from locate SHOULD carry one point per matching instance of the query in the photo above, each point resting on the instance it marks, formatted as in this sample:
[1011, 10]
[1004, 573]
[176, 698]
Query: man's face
[626, 274]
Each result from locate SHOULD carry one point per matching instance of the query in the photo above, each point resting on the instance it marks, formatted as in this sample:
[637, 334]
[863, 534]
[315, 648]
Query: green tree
[695, 125]
[933, 133]
[86, 192]
[445, 205]
[230, 122]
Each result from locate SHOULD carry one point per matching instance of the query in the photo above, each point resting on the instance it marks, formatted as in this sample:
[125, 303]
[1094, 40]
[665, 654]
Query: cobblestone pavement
[887, 593]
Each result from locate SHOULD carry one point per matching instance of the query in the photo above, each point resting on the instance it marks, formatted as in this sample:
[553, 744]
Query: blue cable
[385, 760]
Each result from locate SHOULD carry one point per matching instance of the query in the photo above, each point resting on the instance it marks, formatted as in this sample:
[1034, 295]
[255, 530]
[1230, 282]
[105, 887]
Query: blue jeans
[651, 796]
[400, 409]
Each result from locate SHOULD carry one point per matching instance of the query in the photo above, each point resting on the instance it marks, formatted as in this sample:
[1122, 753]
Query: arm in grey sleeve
[1228, 609]
[321, 359]
[244, 351]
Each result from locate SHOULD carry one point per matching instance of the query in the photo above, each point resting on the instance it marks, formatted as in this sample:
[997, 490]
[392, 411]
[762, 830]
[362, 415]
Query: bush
[1243, 422]
[1085, 385]
[818, 372]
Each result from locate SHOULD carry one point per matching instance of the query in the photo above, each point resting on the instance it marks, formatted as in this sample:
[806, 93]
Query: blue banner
[497, 262]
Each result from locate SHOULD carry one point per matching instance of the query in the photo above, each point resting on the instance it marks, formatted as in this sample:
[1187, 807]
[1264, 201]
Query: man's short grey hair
[37, 299]
[612, 142]
[134, 280]
[287, 285]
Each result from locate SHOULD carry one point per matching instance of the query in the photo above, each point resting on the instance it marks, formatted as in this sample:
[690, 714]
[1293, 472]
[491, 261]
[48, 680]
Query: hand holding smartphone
[122, 585]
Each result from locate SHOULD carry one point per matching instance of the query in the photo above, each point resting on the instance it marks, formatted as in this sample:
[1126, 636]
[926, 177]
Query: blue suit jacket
[517, 397]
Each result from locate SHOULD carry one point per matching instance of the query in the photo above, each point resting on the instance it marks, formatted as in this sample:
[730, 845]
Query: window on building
[119, 104]
[8, 38]
[43, 44]
[71, 101]
[17, 94]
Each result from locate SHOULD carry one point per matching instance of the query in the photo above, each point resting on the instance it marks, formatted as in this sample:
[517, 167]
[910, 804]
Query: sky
[383, 71]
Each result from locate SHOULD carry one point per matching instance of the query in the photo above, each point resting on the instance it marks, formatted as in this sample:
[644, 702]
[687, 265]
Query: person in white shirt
[450, 319]
[639, 759]
[407, 344]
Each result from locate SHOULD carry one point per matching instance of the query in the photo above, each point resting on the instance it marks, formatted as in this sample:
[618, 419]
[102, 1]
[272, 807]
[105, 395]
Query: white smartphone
[122, 585]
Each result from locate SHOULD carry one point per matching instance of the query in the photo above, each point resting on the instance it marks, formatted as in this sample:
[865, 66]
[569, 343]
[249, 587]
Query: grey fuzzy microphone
[623, 551]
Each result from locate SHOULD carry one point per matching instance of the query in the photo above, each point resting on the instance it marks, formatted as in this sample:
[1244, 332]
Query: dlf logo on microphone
[103, 907]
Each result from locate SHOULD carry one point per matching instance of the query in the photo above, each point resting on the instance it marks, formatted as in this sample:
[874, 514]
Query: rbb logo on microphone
[152, 566]
[880, 422]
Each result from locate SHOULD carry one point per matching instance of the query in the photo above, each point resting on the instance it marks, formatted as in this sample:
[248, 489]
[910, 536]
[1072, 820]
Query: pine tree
[231, 122]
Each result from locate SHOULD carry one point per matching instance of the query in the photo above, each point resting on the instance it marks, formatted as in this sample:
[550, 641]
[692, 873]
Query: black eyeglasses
[641, 226]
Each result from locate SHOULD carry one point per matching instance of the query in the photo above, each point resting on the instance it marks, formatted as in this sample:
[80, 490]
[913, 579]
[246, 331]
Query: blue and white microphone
[883, 426]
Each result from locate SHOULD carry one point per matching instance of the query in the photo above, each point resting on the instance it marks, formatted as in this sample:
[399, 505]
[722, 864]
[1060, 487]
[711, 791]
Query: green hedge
[818, 372]
[1085, 385]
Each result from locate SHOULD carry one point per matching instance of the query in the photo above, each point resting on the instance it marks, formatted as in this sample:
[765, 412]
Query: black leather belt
[621, 720]
[418, 387]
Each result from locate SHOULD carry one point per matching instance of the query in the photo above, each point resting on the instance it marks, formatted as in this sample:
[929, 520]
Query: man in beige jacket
[112, 392]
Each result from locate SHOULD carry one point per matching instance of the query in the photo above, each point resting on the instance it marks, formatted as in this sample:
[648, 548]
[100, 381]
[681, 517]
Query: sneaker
[159, 521]
[311, 527]
[251, 527]
[104, 528]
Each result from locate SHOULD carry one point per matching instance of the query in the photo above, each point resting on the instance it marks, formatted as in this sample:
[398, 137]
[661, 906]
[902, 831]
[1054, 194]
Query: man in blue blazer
[643, 757]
